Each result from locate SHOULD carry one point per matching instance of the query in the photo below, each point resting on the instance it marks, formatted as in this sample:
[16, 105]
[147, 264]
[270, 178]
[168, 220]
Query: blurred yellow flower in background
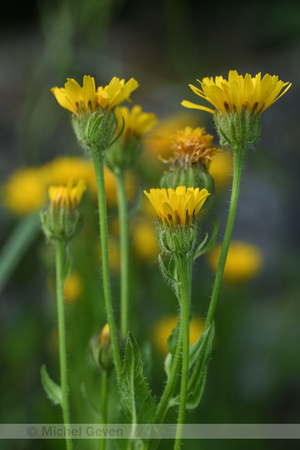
[163, 327]
[73, 288]
[243, 263]
[25, 191]
[221, 169]
[144, 241]
[136, 121]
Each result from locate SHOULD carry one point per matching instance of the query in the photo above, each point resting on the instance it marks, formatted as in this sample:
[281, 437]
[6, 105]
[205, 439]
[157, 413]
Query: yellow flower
[78, 99]
[191, 145]
[144, 241]
[73, 288]
[116, 92]
[164, 326]
[158, 141]
[68, 197]
[253, 94]
[181, 204]
[243, 263]
[221, 169]
[25, 191]
[136, 122]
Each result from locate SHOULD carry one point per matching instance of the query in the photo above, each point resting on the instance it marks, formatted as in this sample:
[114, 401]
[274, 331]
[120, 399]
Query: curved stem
[99, 171]
[237, 172]
[60, 247]
[184, 272]
[124, 248]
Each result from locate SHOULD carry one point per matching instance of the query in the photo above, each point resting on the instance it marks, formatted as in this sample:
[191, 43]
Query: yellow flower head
[104, 336]
[73, 288]
[191, 145]
[116, 92]
[164, 326]
[25, 191]
[179, 205]
[221, 169]
[255, 94]
[242, 264]
[68, 197]
[78, 99]
[136, 122]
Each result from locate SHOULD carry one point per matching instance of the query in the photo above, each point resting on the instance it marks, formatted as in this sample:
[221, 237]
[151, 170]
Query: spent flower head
[191, 146]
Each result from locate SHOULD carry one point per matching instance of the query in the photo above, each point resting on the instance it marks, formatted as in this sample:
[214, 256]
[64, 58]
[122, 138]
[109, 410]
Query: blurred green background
[165, 45]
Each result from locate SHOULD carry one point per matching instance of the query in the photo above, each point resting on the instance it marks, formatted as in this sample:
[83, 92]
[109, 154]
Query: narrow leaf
[136, 397]
[52, 389]
[211, 242]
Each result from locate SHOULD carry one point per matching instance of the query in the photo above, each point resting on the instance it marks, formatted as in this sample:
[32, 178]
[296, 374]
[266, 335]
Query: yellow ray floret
[179, 205]
[255, 94]
[67, 196]
[75, 98]
[116, 92]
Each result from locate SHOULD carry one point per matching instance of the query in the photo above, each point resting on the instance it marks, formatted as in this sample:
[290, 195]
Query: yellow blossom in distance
[136, 122]
[181, 204]
[144, 241]
[255, 94]
[25, 191]
[73, 288]
[68, 197]
[221, 169]
[78, 99]
[191, 145]
[243, 262]
[163, 327]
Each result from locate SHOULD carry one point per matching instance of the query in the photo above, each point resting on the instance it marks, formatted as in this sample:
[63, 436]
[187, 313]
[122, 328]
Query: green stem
[237, 172]
[184, 272]
[124, 248]
[99, 171]
[60, 247]
[104, 398]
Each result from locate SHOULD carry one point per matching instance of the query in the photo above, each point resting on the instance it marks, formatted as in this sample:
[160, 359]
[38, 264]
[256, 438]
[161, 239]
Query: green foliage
[52, 389]
[136, 397]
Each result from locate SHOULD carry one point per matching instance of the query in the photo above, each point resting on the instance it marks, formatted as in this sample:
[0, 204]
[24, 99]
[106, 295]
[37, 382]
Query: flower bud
[61, 219]
[101, 350]
[238, 127]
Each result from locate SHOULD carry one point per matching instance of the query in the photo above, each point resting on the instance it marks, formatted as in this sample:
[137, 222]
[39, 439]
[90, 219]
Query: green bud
[123, 153]
[96, 131]
[177, 240]
[101, 349]
[238, 127]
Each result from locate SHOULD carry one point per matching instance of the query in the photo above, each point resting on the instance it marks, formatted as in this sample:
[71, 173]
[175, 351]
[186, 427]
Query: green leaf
[88, 401]
[139, 405]
[210, 244]
[52, 389]
[166, 273]
[199, 356]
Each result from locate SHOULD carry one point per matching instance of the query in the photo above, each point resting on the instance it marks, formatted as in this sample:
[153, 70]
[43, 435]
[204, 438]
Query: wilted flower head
[67, 197]
[192, 145]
